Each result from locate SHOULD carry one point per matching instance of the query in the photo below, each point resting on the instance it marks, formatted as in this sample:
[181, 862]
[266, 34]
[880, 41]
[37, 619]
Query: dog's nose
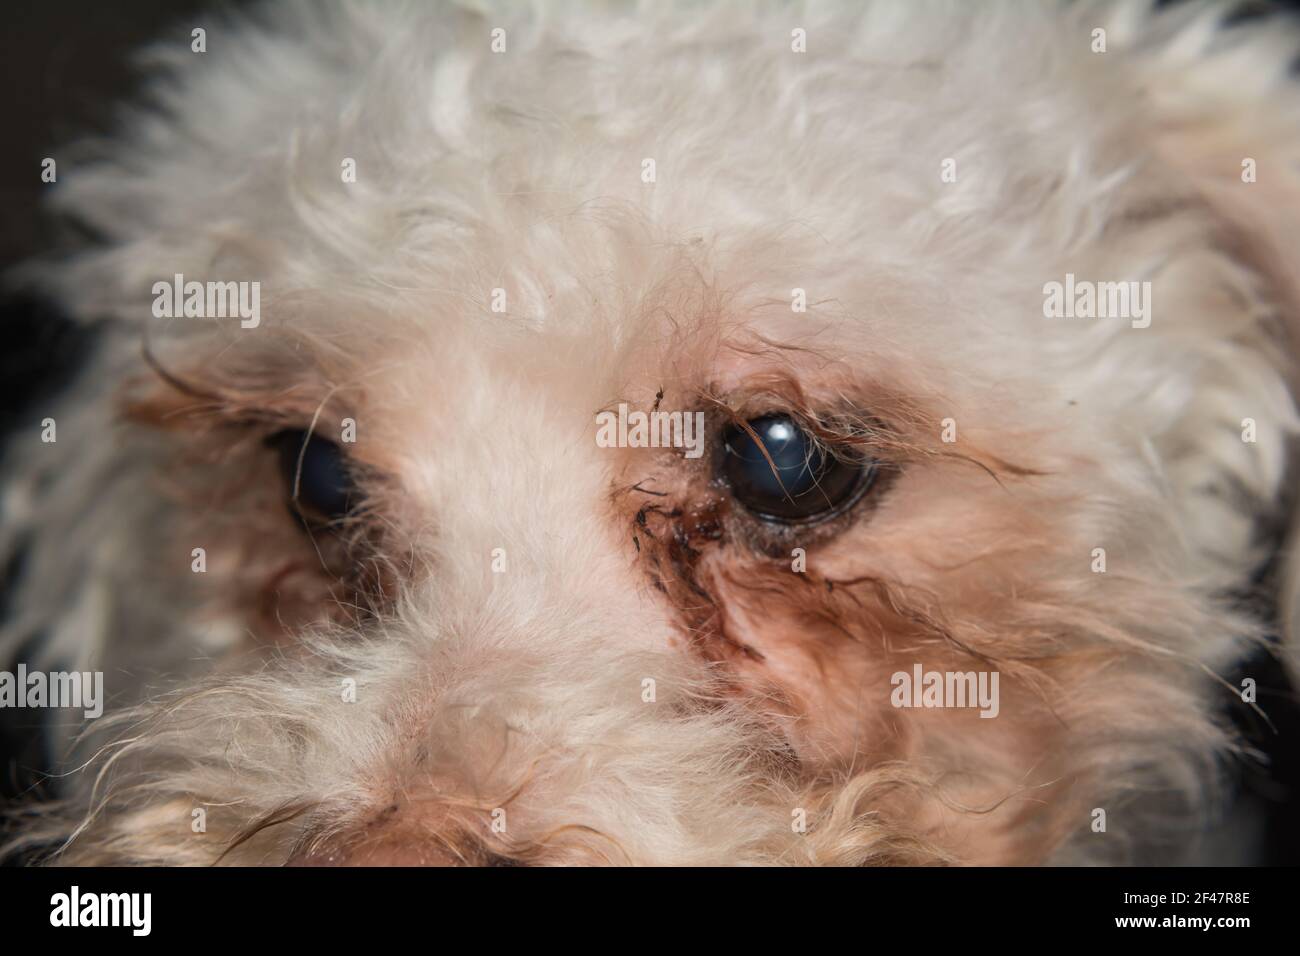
[395, 839]
[386, 853]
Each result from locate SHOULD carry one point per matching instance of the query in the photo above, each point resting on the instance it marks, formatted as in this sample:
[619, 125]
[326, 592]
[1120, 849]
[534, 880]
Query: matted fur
[524, 691]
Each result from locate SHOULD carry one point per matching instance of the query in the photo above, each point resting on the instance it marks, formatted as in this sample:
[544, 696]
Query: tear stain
[676, 541]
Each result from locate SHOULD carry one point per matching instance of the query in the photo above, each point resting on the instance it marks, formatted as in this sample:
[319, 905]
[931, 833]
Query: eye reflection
[802, 482]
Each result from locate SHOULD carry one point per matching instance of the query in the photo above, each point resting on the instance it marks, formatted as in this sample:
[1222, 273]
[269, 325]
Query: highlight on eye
[779, 471]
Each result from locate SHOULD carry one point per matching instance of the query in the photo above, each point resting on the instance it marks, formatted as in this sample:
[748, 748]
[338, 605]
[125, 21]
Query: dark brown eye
[316, 473]
[802, 483]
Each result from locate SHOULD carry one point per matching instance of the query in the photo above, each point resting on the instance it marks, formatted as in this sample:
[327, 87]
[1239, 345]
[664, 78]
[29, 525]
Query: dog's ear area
[1223, 102]
[1219, 99]
[1249, 176]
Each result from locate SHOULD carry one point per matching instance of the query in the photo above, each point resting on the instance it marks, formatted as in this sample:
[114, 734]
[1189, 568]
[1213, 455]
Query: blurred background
[64, 64]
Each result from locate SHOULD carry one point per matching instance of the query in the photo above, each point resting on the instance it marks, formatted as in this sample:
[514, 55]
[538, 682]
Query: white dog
[693, 434]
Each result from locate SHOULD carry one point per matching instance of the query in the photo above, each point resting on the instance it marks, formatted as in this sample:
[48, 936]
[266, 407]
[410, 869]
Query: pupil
[323, 481]
[800, 482]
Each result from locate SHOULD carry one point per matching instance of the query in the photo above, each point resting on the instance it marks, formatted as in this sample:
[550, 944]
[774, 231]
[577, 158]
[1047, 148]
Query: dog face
[399, 577]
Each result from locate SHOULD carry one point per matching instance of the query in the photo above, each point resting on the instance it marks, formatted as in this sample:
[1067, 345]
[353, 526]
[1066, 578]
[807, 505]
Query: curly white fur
[522, 170]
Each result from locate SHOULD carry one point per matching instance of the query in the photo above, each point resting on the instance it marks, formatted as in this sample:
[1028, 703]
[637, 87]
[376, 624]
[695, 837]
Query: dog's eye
[316, 472]
[801, 483]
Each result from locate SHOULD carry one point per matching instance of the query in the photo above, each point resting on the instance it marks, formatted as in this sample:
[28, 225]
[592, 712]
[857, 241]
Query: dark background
[64, 64]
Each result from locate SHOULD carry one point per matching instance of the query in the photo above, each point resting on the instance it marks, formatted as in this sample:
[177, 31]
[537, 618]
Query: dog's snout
[397, 839]
[388, 853]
